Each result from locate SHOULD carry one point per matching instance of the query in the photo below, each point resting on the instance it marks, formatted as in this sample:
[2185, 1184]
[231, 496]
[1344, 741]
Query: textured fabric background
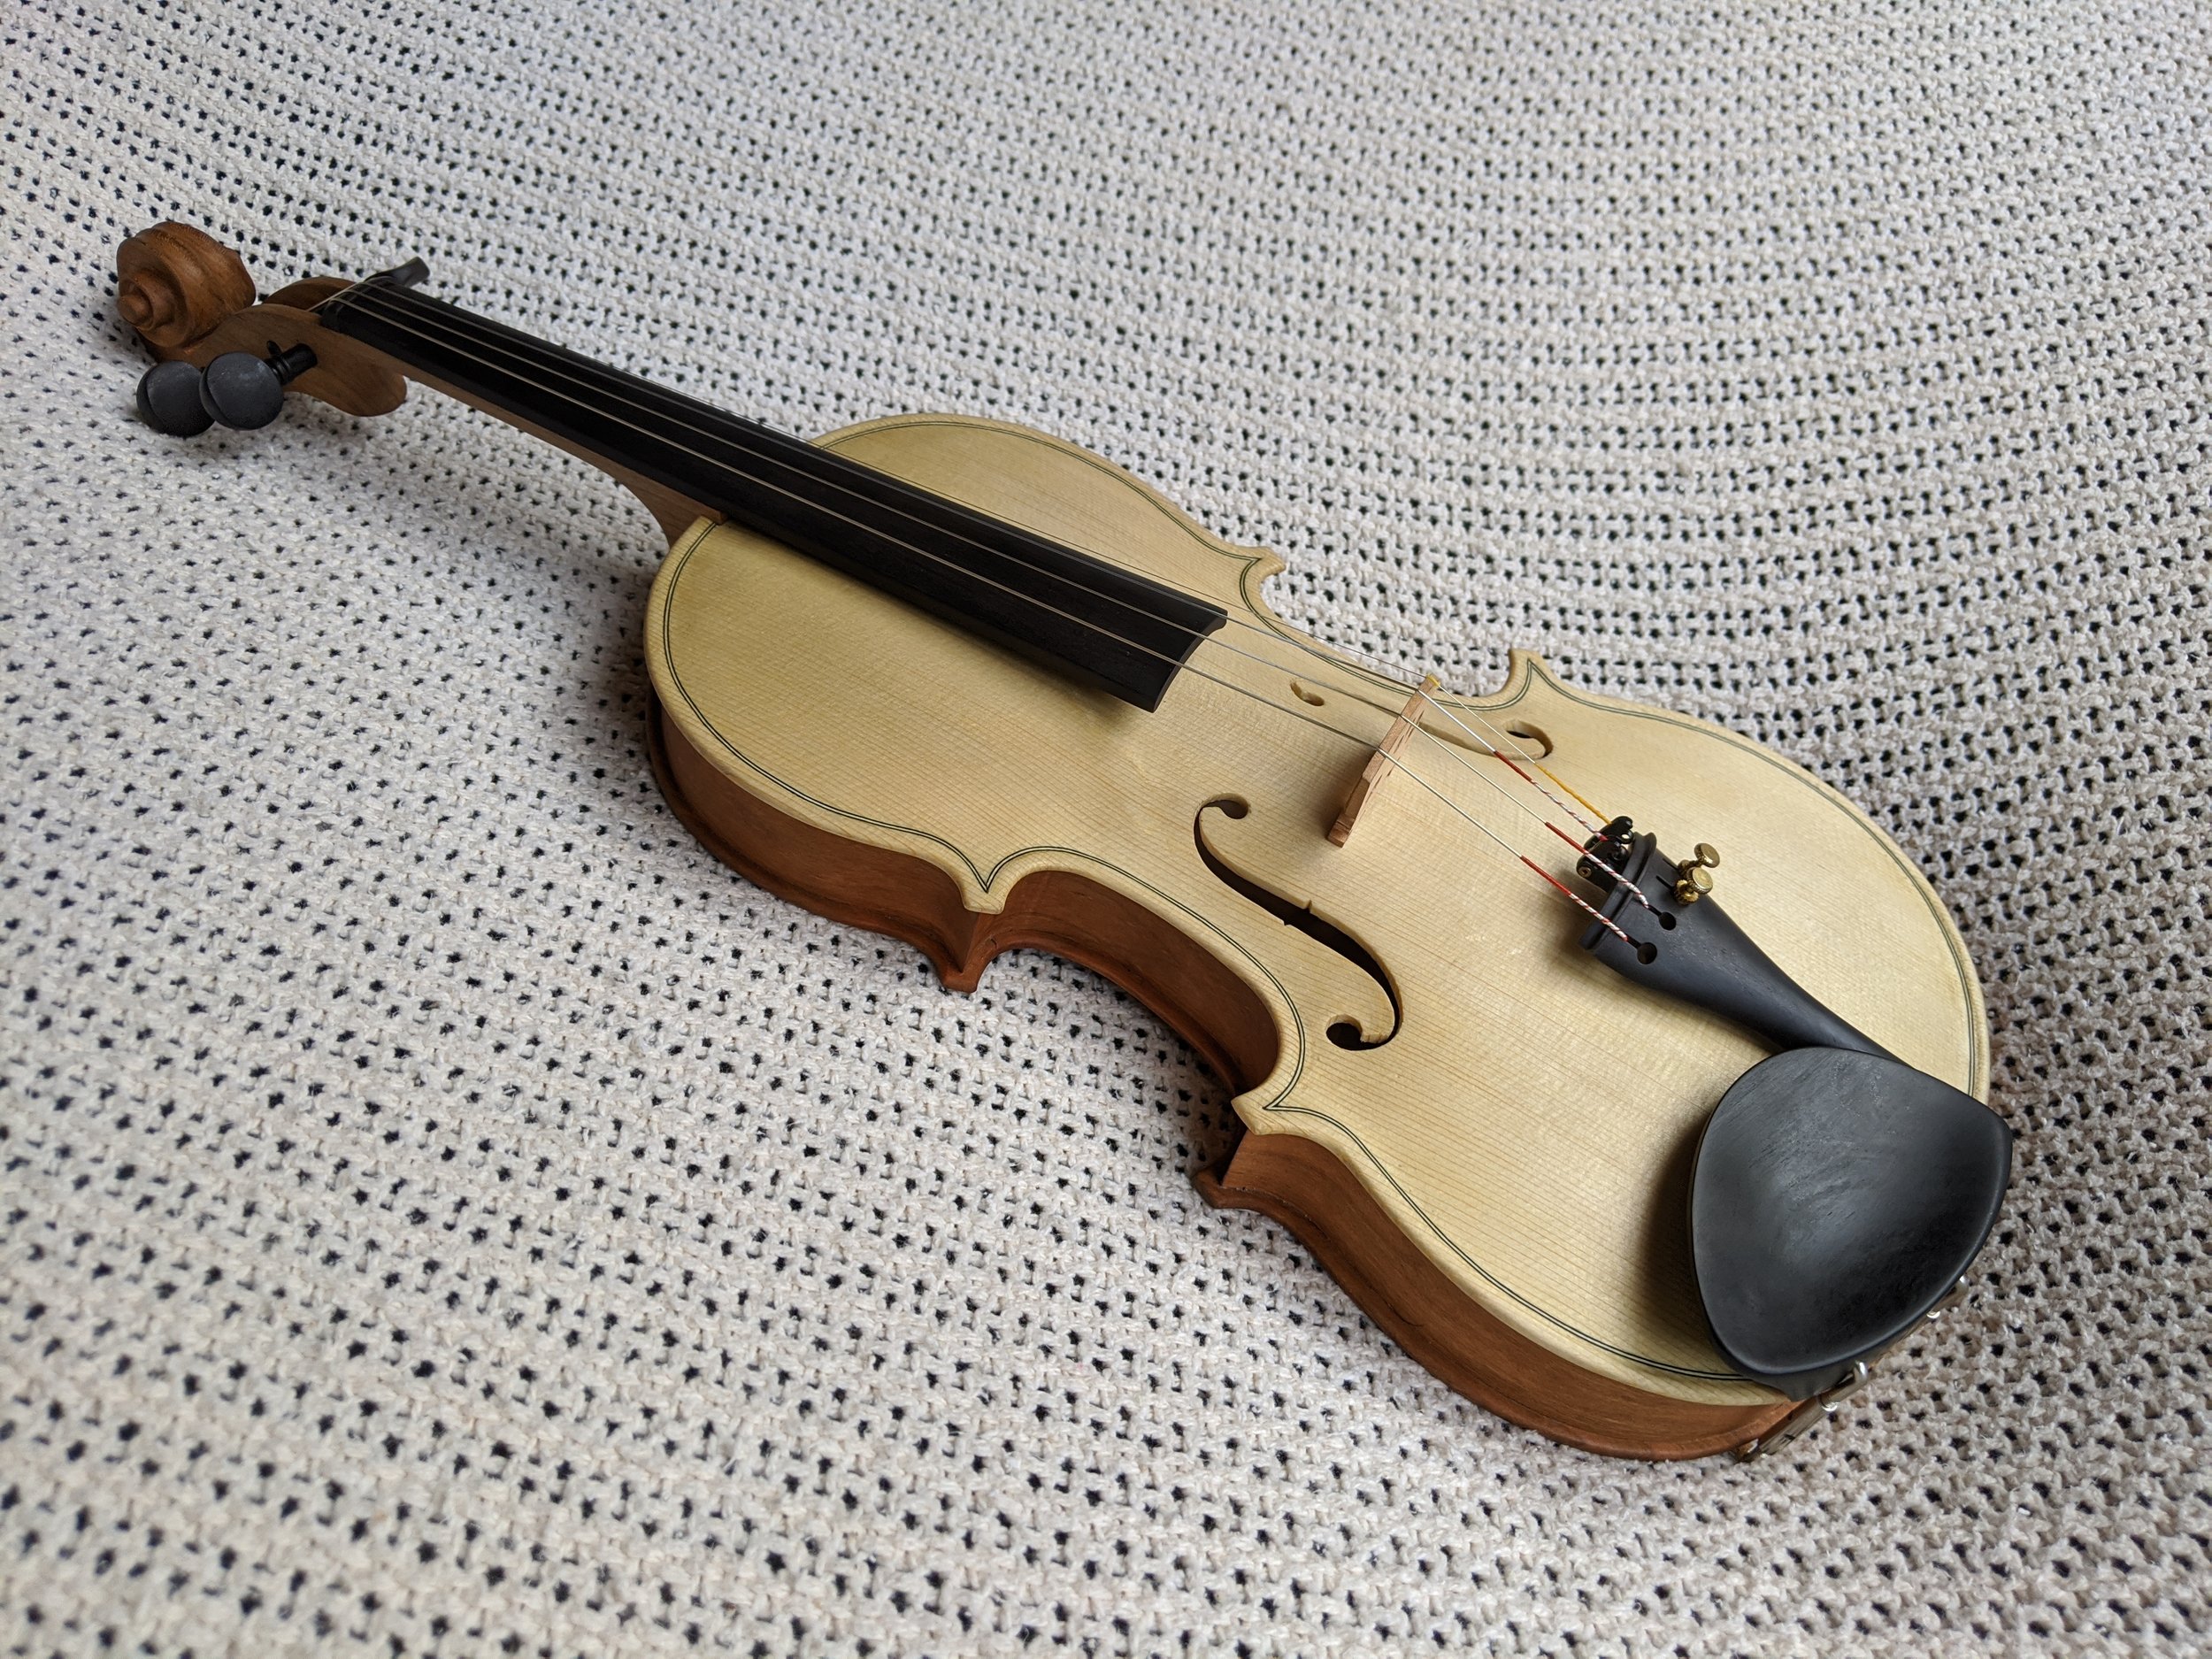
[445, 1211]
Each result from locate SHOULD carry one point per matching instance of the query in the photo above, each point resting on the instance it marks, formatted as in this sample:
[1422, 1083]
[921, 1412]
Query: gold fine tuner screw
[1693, 876]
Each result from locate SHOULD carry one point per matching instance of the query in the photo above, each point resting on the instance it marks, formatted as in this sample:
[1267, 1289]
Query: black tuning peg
[241, 390]
[169, 400]
[238, 389]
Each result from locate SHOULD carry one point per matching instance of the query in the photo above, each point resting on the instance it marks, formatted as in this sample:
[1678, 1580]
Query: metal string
[410, 323]
[456, 322]
[1493, 742]
[453, 325]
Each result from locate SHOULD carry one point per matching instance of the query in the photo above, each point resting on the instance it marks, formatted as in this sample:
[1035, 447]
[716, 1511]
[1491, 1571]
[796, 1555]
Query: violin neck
[1088, 618]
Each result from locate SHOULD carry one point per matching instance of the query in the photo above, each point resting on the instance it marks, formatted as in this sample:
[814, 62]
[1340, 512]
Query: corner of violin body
[1522, 666]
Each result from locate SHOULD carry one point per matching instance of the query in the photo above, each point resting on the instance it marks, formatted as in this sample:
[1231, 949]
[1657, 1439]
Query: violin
[1619, 1069]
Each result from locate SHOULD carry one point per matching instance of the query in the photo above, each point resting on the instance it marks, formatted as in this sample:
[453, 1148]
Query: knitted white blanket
[443, 1210]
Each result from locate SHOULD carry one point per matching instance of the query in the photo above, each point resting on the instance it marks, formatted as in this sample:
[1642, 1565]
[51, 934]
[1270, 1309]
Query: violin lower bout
[1291, 1180]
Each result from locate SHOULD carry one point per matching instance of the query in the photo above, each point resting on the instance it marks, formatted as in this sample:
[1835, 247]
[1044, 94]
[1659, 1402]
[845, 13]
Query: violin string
[454, 323]
[346, 292]
[455, 326]
[451, 326]
[406, 324]
[1493, 741]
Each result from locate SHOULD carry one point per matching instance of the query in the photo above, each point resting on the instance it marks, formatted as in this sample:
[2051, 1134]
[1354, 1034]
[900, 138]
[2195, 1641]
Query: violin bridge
[1380, 764]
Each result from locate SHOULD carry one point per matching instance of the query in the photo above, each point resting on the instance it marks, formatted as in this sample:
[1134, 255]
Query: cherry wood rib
[1307, 1188]
[1286, 1177]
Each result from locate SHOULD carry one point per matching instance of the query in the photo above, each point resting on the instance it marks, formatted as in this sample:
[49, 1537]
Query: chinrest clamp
[1808, 1416]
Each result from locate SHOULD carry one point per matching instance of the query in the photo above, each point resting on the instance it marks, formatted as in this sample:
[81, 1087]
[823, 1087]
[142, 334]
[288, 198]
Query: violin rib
[1290, 1179]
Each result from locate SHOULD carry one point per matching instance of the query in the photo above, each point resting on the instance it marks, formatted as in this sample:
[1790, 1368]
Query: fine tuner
[1694, 876]
[1655, 1177]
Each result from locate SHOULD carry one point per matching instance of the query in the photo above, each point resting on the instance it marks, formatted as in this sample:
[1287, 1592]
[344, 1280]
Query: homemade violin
[1618, 1068]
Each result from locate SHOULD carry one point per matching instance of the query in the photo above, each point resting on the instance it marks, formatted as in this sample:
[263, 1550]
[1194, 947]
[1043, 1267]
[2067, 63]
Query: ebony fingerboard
[1092, 620]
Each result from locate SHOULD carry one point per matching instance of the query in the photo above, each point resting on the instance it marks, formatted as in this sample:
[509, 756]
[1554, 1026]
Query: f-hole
[1344, 1033]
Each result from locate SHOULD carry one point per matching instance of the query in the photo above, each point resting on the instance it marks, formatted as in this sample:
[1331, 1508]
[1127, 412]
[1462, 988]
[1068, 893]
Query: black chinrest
[1838, 1197]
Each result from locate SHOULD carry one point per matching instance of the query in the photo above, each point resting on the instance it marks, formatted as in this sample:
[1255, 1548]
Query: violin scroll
[176, 285]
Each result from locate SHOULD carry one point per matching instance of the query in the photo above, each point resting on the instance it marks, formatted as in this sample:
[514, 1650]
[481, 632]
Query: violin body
[1466, 1119]
[970, 686]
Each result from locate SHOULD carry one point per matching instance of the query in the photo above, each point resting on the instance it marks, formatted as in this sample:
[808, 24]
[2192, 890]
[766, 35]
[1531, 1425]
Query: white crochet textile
[441, 1211]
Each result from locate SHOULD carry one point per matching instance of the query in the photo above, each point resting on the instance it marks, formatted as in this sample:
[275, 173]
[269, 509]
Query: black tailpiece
[1839, 1193]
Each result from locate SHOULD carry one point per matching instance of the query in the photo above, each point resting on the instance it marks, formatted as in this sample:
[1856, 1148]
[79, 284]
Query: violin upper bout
[1060, 490]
